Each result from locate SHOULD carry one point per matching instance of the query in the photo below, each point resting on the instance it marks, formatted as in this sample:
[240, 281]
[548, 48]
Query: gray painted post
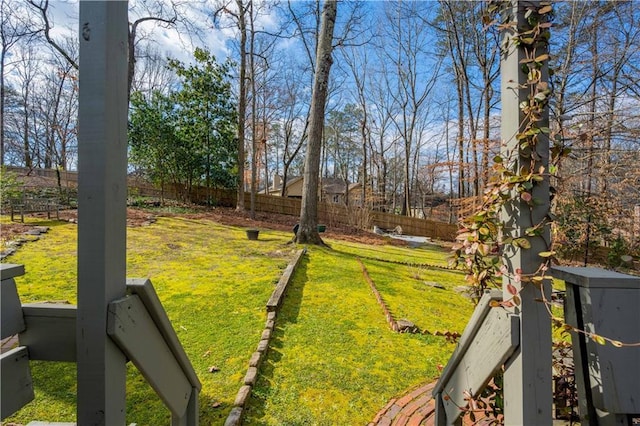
[527, 377]
[102, 192]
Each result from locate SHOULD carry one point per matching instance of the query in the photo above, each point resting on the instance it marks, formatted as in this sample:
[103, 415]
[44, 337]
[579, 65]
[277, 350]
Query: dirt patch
[11, 231]
[280, 222]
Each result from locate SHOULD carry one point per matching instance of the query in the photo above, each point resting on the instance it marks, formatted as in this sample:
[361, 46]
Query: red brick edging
[413, 409]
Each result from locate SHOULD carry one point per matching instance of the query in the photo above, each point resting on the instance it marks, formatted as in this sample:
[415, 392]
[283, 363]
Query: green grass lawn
[333, 359]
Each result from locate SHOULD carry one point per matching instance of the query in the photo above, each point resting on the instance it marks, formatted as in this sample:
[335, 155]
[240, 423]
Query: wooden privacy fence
[331, 214]
[65, 175]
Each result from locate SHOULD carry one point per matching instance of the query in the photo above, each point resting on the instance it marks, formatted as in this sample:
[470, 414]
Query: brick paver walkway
[413, 409]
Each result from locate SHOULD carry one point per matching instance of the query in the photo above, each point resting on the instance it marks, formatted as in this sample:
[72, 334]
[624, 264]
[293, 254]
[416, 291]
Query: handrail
[144, 289]
[470, 331]
[490, 338]
[139, 325]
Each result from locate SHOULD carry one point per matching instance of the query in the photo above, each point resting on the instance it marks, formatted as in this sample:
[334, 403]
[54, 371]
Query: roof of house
[290, 182]
[336, 186]
[329, 185]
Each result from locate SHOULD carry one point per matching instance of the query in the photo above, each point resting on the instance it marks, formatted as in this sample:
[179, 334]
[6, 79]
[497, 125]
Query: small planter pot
[252, 234]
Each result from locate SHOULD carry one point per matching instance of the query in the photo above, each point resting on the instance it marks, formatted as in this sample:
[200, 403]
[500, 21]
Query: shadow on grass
[30, 221]
[288, 314]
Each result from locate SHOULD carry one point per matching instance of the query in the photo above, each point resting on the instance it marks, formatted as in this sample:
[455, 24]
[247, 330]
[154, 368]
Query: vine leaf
[599, 339]
[522, 243]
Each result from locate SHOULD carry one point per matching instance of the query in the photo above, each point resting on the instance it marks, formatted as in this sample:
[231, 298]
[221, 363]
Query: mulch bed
[222, 215]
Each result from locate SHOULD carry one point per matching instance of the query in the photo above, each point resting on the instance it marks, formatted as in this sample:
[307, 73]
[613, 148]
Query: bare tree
[412, 83]
[26, 72]
[160, 14]
[152, 72]
[292, 125]
[15, 24]
[308, 231]
[239, 19]
[42, 7]
[358, 63]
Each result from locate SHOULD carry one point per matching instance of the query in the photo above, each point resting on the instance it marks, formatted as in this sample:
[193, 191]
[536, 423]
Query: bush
[10, 186]
[616, 252]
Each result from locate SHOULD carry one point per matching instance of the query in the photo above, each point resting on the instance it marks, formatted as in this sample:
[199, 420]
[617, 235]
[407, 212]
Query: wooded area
[412, 111]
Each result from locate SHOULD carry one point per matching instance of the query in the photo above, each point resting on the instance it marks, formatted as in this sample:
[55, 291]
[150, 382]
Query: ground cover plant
[334, 359]
[213, 284]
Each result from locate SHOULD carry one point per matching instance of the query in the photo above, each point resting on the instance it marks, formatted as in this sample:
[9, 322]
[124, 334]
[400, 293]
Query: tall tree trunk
[254, 120]
[591, 129]
[2, 95]
[365, 179]
[242, 102]
[461, 168]
[308, 230]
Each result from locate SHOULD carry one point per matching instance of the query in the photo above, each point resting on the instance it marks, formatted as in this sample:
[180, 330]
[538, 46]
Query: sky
[175, 42]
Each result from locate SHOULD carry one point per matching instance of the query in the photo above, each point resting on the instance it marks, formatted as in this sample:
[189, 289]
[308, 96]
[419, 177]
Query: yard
[333, 359]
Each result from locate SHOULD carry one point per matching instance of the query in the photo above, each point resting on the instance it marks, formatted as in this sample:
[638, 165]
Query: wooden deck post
[102, 192]
[527, 378]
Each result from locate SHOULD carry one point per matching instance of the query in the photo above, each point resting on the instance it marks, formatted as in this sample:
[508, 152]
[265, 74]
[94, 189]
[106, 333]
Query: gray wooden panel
[468, 336]
[614, 372]
[102, 207]
[134, 331]
[192, 415]
[11, 321]
[494, 342]
[586, 409]
[50, 334]
[595, 277]
[144, 289]
[527, 376]
[16, 383]
[10, 270]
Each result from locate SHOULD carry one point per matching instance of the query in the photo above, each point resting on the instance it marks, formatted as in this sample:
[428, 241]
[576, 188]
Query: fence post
[527, 377]
[102, 192]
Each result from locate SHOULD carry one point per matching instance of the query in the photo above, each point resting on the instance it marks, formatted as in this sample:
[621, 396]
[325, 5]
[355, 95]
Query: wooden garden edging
[278, 294]
[273, 306]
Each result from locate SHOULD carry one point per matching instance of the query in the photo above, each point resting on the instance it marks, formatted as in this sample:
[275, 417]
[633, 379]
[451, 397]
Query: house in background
[293, 188]
[335, 191]
[331, 190]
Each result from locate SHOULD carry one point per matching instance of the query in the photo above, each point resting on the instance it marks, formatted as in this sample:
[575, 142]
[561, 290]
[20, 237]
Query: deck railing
[137, 323]
[601, 306]
[489, 339]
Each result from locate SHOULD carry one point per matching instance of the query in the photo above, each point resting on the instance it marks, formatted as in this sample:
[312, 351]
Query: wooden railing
[600, 304]
[489, 339]
[137, 324]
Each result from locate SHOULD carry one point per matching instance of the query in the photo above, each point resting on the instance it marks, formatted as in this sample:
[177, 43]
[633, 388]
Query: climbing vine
[520, 178]
[482, 237]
